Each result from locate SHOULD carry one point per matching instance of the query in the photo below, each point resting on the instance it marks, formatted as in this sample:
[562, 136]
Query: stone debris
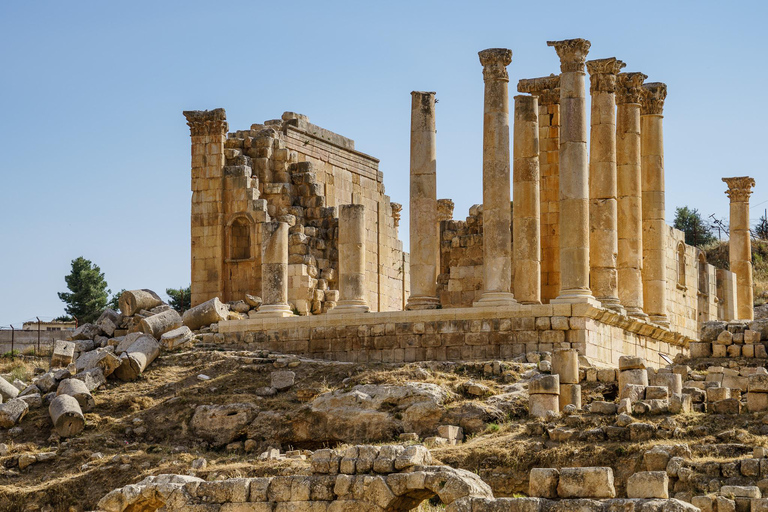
[66, 415]
[177, 338]
[12, 412]
[207, 313]
[7, 390]
[282, 380]
[79, 391]
[63, 353]
[222, 424]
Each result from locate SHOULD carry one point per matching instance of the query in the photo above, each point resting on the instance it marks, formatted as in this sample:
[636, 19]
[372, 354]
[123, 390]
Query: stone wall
[24, 340]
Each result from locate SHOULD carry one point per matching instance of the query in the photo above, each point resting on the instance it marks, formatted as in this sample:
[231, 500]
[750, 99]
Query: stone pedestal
[274, 270]
[351, 260]
[208, 129]
[526, 230]
[603, 218]
[574, 174]
[740, 245]
[423, 213]
[629, 190]
[497, 217]
[654, 225]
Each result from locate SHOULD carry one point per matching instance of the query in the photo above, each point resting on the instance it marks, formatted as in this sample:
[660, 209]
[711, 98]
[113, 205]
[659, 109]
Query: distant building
[49, 326]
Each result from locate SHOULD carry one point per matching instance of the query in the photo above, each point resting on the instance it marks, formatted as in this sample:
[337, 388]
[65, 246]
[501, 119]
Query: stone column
[274, 270]
[740, 245]
[547, 91]
[629, 189]
[208, 129]
[351, 260]
[423, 213]
[574, 174]
[603, 228]
[526, 228]
[654, 225]
[497, 217]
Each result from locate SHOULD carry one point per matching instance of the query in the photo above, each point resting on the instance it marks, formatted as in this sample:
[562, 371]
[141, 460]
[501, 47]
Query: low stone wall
[460, 334]
[24, 340]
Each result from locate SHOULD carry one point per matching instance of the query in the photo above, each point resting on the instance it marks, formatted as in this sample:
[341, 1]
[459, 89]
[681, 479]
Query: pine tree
[180, 299]
[697, 231]
[87, 296]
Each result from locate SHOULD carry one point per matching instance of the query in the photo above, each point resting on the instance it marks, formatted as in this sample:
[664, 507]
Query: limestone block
[724, 338]
[735, 382]
[570, 394]
[703, 349]
[33, 399]
[725, 505]
[704, 503]
[717, 394]
[637, 376]
[414, 455]
[544, 384]
[656, 459]
[565, 364]
[161, 323]
[733, 351]
[102, 358]
[282, 380]
[748, 351]
[66, 415]
[7, 390]
[137, 358]
[77, 389]
[671, 381]
[657, 393]
[590, 482]
[543, 483]
[108, 321]
[728, 406]
[450, 432]
[606, 375]
[710, 330]
[63, 353]
[633, 392]
[757, 402]
[751, 337]
[758, 383]
[175, 338]
[741, 491]
[760, 351]
[601, 407]
[93, 378]
[207, 313]
[719, 351]
[631, 363]
[540, 404]
[12, 412]
[132, 301]
[648, 484]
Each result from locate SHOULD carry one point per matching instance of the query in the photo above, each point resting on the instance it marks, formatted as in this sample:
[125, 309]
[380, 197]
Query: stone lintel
[602, 74]
[572, 53]
[207, 122]
[652, 100]
[739, 188]
[546, 88]
[495, 62]
[629, 87]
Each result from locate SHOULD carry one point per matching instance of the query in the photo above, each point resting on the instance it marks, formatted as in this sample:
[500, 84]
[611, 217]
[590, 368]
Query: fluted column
[351, 260]
[423, 212]
[654, 225]
[497, 218]
[740, 245]
[603, 228]
[629, 190]
[274, 270]
[526, 230]
[574, 174]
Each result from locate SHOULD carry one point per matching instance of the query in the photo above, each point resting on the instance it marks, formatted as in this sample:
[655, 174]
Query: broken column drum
[603, 241]
[423, 208]
[67, 417]
[654, 225]
[351, 260]
[526, 223]
[574, 174]
[740, 247]
[629, 191]
[274, 270]
[159, 324]
[137, 357]
[209, 312]
[497, 217]
[132, 301]
[77, 388]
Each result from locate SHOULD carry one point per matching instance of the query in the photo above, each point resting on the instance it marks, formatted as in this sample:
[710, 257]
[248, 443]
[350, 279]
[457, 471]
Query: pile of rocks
[733, 339]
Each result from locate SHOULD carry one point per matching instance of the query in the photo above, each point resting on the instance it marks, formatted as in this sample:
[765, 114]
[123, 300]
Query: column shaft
[351, 260]
[274, 270]
[740, 244]
[603, 222]
[629, 190]
[526, 229]
[497, 217]
[654, 225]
[423, 212]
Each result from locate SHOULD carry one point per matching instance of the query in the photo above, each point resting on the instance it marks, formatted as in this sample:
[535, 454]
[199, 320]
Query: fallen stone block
[648, 484]
[672, 381]
[102, 358]
[221, 424]
[450, 432]
[132, 301]
[415, 455]
[728, 406]
[108, 321]
[46, 382]
[176, 338]
[637, 377]
[63, 353]
[543, 482]
[67, 417]
[680, 404]
[544, 384]
[657, 392]
[565, 364]
[740, 491]
[136, 359]
[600, 407]
[93, 378]
[539, 405]
[570, 394]
[29, 390]
[698, 350]
[282, 380]
[7, 390]
[631, 363]
[588, 482]
[85, 332]
[633, 392]
[207, 313]
[33, 400]
[12, 412]
[79, 391]
[757, 383]
[757, 402]
[161, 323]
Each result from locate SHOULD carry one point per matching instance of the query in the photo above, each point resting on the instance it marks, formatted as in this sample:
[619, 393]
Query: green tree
[697, 231]
[87, 296]
[761, 228]
[180, 299]
[114, 301]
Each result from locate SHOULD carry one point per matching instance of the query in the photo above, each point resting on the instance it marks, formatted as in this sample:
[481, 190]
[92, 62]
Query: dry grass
[19, 368]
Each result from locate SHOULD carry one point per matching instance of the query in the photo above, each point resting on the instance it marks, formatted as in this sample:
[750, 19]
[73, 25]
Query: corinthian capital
[495, 62]
[396, 209]
[546, 88]
[207, 122]
[740, 188]
[652, 100]
[602, 74]
[572, 53]
[629, 87]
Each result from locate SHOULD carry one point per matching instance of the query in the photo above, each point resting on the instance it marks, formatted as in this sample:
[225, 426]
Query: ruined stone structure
[583, 259]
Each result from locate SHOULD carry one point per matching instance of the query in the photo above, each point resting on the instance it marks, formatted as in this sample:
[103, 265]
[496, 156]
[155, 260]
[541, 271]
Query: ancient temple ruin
[569, 249]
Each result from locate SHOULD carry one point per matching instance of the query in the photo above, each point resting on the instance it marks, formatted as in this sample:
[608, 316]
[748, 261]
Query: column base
[576, 297]
[612, 304]
[495, 299]
[422, 302]
[274, 311]
[661, 320]
[350, 306]
[636, 312]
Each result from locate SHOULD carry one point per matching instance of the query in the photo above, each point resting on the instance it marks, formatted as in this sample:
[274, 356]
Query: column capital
[207, 122]
[444, 209]
[652, 99]
[629, 87]
[495, 62]
[572, 53]
[396, 209]
[546, 88]
[739, 188]
[602, 74]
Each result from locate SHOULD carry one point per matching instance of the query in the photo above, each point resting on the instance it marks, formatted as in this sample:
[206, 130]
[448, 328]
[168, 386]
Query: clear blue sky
[94, 151]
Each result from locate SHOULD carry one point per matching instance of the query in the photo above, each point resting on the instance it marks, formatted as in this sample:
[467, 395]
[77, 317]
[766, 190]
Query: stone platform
[461, 334]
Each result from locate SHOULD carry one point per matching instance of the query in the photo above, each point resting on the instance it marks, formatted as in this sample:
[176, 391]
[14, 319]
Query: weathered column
[603, 223]
[526, 230]
[423, 213]
[654, 225]
[351, 260]
[547, 90]
[629, 189]
[274, 270]
[497, 217]
[574, 174]
[740, 245]
[208, 129]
